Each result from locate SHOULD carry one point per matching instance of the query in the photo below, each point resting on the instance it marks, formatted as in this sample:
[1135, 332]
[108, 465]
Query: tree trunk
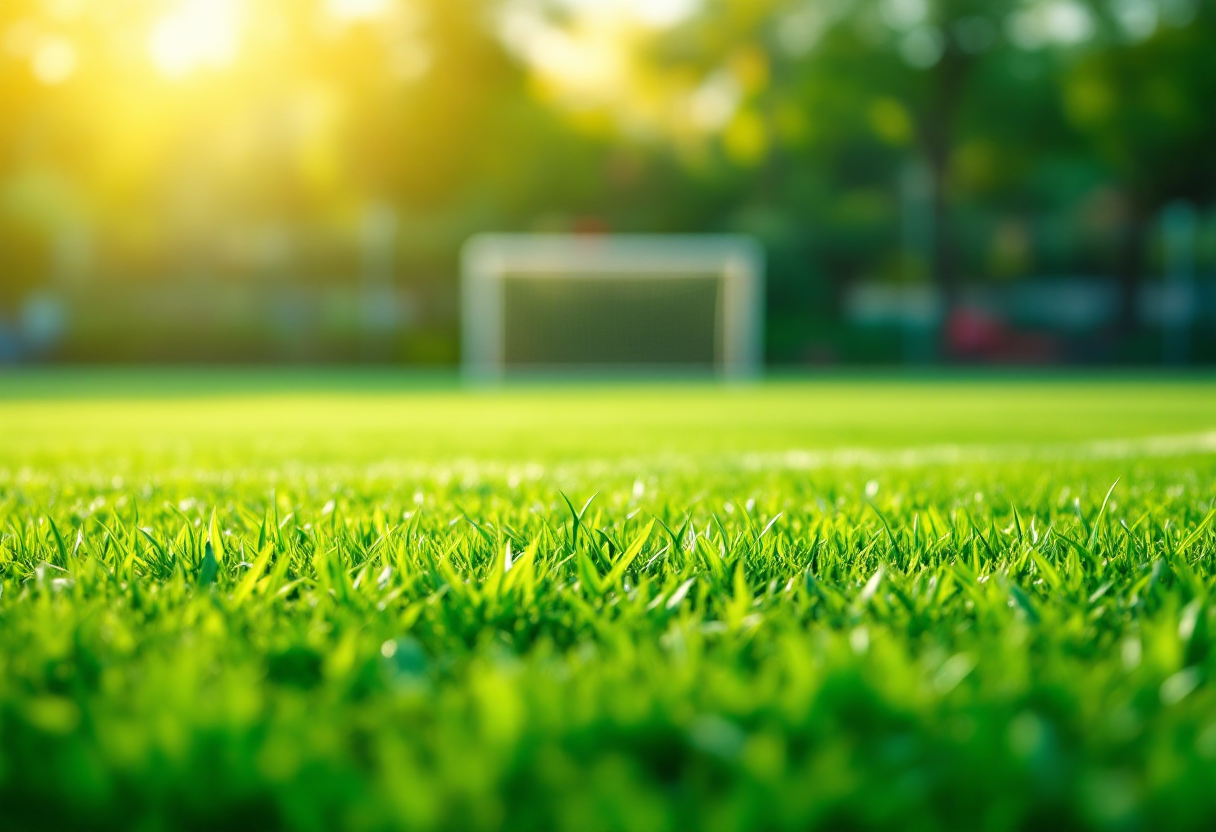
[947, 79]
[945, 265]
[1133, 245]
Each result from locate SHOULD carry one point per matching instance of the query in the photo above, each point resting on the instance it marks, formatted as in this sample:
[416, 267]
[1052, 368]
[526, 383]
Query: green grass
[238, 601]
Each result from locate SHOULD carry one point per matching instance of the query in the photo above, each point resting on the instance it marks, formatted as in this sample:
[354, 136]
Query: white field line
[1093, 450]
[469, 472]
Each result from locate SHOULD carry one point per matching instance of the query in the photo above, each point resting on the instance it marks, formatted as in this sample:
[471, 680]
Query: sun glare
[654, 13]
[198, 34]
[357, 9]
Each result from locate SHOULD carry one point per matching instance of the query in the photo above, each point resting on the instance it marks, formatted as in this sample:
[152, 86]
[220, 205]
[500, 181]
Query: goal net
[571, 302]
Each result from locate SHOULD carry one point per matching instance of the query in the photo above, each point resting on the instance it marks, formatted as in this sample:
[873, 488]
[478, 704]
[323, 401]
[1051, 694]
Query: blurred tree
[853, 90]
[26, 198]
[1144, 102]
[967, 87]
[211, 138]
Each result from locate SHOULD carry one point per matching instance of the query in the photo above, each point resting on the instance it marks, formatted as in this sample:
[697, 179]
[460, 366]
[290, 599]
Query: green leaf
[255, 572]
[216, 539]
[210, 569]
[627, 557]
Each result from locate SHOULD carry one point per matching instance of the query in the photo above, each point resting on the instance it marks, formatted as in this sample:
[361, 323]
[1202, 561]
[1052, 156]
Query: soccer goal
[630, 302]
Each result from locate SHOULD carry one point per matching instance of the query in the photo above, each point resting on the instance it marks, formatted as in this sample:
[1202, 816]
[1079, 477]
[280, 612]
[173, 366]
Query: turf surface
[359, 602]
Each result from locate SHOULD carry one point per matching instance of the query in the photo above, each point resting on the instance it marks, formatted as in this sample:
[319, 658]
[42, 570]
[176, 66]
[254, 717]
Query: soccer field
[369, 602]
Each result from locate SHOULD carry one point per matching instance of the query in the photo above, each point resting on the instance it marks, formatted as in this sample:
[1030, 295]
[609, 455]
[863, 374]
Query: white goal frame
[487, 260]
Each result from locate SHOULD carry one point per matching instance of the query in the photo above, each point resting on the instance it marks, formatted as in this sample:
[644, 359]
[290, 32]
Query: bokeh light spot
[54, 61]
[199, 34]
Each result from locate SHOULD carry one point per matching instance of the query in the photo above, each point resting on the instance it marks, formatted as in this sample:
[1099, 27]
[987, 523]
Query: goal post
[535, 302]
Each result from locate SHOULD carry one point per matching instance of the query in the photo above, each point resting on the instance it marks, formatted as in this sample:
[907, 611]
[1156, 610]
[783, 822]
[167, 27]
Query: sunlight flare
[198, 34]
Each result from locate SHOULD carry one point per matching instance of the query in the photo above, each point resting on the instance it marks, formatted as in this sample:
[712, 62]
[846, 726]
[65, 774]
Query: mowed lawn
[365, 601]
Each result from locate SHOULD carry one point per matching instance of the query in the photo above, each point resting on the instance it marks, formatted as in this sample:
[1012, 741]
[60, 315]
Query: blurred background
[1005, 181]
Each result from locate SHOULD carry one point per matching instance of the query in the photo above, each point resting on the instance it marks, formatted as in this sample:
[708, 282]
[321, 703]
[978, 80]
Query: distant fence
[1069, 303]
